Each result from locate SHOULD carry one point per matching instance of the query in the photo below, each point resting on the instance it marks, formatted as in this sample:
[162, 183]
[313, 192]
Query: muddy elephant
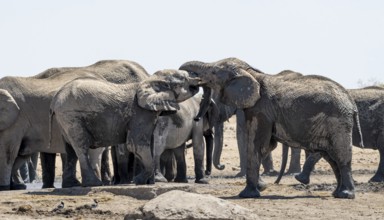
[173, 131]
[370, 103]
[24, 129]
[310, 112]
[225, 112]
[94, 113]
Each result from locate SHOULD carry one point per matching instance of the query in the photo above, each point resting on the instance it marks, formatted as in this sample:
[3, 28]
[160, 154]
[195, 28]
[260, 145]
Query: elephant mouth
[194, 89]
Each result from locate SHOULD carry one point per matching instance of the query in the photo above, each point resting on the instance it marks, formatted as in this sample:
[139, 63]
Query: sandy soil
[289, 200]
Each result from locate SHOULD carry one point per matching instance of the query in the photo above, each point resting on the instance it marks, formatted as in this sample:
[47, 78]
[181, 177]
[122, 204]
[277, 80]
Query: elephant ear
[9, 110]
[157, 96]
[242, 91]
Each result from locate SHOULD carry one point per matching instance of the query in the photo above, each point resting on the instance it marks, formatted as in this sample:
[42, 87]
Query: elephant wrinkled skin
[94, 113]
[310, 112]
[24, 127]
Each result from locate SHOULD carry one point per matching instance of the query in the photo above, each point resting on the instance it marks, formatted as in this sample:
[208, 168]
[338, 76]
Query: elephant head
[9, 110]
[232, 79]
[165, 89]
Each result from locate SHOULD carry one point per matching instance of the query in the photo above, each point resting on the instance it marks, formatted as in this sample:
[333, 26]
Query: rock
[178, 204]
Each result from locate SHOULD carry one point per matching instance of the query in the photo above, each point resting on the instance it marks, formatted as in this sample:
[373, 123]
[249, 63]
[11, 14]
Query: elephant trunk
[283, 163]
[205, 103]
[219, 128]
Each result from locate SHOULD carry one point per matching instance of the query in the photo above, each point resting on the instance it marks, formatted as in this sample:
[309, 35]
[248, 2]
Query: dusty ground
[289, 200]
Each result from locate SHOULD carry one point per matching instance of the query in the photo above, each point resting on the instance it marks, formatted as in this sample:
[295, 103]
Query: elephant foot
[293, 172]
[304, 179]
[90, 183]
[160, 178]
[219, 166]
[106, 181]
[376, 179]
[250, 192]
[202, 181]
[6, 187]
[261, 186]
[18, 186]
[345, 194]
[140, 179]
[240, 174]
[70, 183]
[48, 186]
[181, 180]
[270, 173]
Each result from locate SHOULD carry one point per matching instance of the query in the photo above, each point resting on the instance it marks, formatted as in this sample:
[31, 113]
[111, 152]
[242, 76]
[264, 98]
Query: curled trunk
[205, 103]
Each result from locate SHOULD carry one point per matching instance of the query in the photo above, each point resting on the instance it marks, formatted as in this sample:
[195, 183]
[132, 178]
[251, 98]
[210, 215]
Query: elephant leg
[146, 176]
[208, 136]
[241, 142]
[69, 168]
[309, 164]
[379, 175]
[340, 160]
[95, 160]
[105, 168]
[336, 171]
[259, 132]
[32, 166]
[19, 184]
[24, 172]
[168, 165]
[124, 161]
[267, 163]
[159, 176]
[181, 176]
[116, 177]
[88, 178]
[198, 152]
[48, 163]
[16, 177]
[294, 164]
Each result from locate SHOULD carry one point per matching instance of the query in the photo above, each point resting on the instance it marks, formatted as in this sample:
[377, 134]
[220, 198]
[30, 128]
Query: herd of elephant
[148, 119]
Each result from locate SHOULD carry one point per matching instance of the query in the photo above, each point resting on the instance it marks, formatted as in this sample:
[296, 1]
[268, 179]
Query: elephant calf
[173, 131]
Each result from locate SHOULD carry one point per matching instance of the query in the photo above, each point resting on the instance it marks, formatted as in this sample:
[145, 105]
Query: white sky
[343, 39]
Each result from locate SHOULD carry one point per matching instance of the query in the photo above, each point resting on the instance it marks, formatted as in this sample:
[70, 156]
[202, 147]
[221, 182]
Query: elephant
[117, 71]
[228, 111]
[310, 112]
[173, 131]
[25, 112]
[94, 113]
[370, 103]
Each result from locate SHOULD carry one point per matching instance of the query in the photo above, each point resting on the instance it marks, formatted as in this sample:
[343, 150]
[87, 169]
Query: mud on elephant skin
[94, 113]
[225, 112]
[173, 131]
[310, 112]
[370, 103]
[26, 124]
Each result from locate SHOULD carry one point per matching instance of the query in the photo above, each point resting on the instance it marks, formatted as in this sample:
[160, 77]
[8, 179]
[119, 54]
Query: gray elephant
[310, 112]
[25, 120]
[94, 113]
[228, 111]
[173, 131]
[370, 103]
[116, 71]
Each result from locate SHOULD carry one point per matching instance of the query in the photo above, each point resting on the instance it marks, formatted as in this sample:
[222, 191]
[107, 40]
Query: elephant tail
[283, 163]
[357, 124]
[51, 114]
